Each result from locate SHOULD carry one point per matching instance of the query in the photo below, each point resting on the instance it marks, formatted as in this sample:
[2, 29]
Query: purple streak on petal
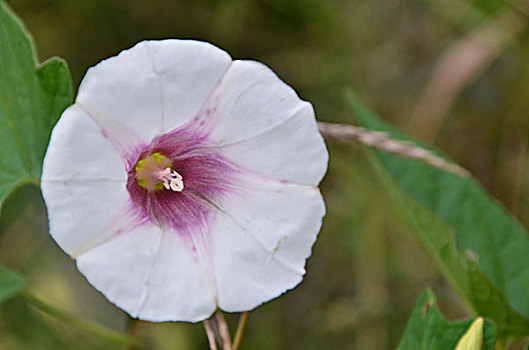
[207, 177]
[203, 119]
[130, 156]
[124, 141]
[128, 149]
[179, 141]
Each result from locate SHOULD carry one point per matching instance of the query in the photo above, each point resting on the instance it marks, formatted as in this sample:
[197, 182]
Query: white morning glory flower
[183, 181]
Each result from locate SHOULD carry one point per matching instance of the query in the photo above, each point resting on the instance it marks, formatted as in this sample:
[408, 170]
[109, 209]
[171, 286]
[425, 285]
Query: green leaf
[428, 330]
[81, 323]
[10, 284]
[479, 246]
[23, 328]
[32, 97]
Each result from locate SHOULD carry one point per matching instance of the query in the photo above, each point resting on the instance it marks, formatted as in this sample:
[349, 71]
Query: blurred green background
[451, 72]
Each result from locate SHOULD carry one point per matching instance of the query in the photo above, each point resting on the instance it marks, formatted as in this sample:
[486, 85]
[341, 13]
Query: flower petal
[153, 87]
[250, 164]
[83, 183]
[78, 150]
[262, 125]
[293, 151]
[261, 241]
[188, 72]
[150, 274]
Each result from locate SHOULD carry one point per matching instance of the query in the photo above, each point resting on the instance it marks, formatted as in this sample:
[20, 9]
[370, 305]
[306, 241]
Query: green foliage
[480, 247]
[363, 273]
[81, 323]
[22, 328]
[428, 330]
[10, 284]
[32, 98]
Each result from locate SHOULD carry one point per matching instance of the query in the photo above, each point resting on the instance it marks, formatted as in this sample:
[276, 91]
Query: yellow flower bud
[473, 337]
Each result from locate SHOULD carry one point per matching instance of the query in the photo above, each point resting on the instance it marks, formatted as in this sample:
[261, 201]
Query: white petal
[152, 87]
[293, 151]
[262, 240]
[188, 72]
[263, 126]
[151, 275]
[78, 150]
[83, 183]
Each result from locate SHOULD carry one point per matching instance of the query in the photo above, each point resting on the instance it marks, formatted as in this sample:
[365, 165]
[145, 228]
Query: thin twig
[380, 140]
[223, 330]
[210, 334]
[241, 327]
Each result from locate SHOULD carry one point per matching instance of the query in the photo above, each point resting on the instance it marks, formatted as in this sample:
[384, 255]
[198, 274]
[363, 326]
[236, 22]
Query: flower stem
[210, 334]
[241, 327]
[76, 321]
[224, 331]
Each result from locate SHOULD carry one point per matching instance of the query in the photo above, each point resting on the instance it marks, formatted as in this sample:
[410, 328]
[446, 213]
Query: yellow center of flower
[154, 172]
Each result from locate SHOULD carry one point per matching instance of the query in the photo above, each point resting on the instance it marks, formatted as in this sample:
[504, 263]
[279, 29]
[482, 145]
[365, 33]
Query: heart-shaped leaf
[32, 97]
[428, 330]
[480, 247]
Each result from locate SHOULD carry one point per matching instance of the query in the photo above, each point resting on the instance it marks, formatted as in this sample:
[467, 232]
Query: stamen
[171, 179]
[154, 173]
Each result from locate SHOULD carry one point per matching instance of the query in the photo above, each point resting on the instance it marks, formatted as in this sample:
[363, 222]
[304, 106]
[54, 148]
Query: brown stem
[210, 334]
[241, 327]
[223, 330]
[381, 140]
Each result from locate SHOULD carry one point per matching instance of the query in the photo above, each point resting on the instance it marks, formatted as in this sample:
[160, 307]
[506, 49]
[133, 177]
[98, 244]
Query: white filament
[171, 179]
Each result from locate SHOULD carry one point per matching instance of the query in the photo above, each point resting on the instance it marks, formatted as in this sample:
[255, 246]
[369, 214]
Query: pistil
[171, 179]
[155, 172]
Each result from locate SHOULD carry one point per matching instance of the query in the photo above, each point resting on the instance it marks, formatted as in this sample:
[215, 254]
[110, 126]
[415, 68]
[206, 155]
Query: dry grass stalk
[380, 140]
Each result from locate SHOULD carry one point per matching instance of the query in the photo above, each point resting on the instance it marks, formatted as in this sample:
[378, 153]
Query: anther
[171, 179]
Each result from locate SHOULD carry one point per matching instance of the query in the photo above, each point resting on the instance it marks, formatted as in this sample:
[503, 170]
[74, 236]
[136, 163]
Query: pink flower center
[157, 174]
[154, 172]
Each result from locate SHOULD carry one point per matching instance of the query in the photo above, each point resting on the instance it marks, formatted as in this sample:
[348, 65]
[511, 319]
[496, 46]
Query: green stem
[76, 321]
